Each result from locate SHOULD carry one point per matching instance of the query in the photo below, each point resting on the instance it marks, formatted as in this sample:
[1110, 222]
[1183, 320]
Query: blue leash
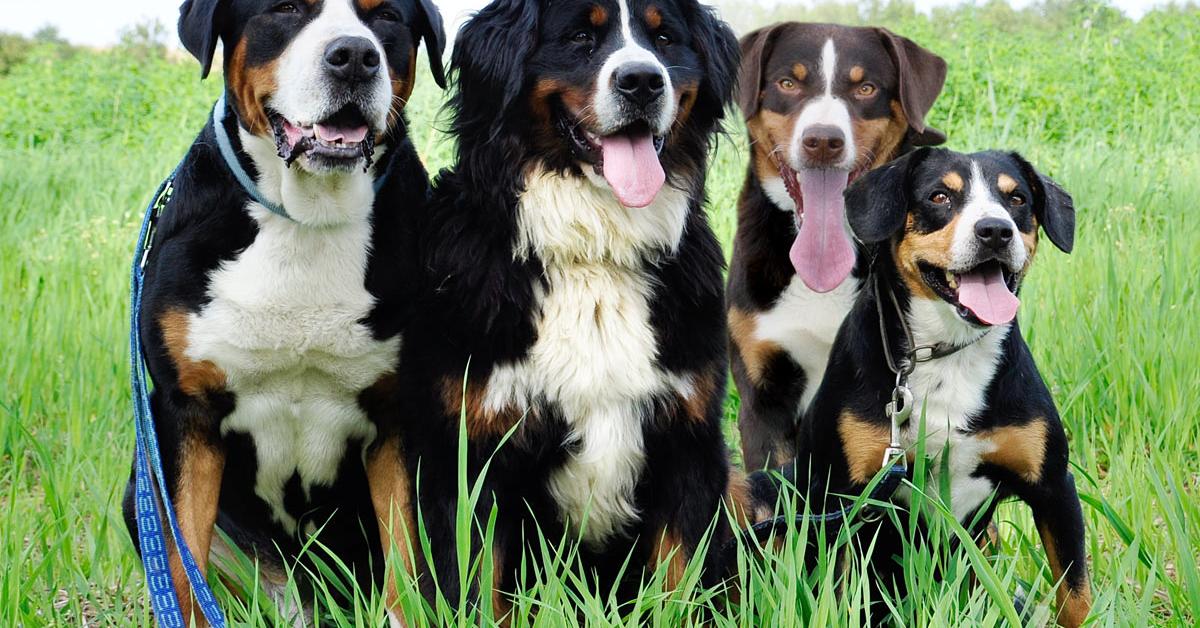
[152, 504]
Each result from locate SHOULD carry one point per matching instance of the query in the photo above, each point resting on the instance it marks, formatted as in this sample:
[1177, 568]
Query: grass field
[1108, 107]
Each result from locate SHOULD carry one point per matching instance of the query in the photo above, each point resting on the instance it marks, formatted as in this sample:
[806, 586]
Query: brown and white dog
[824, 104]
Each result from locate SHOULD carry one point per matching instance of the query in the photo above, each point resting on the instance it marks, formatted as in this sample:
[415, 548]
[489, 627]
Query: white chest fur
[284, 325]
[805, 323]
[595, 357]
[949, 393]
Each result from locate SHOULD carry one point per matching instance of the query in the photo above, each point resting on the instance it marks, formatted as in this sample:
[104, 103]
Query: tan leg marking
[668, 548]
[196, 379]
[391, 495]
[864, 443]
[196, 503]
[755, 353]
[1019, 448]
[1073, 606]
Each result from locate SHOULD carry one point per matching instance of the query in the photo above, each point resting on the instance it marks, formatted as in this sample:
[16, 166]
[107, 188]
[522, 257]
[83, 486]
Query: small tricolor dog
[824, 104]
[948, 239]
[278, 281]
[577, 286]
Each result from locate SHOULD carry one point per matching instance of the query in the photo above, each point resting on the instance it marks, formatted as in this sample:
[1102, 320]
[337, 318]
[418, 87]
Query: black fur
[481, 311]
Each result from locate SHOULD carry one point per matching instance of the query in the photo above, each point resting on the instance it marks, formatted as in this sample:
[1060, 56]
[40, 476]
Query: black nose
[641, 83]
[994, 233]
[823, 144]
[351, 59]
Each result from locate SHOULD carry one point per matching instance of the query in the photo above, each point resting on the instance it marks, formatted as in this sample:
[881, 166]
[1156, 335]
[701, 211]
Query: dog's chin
[338, 143]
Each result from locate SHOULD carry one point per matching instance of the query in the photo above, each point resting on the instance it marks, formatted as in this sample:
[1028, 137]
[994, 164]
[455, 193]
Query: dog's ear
[200, 25]
[492, 49]
[1052, 206]
[756, 49]
[719, 47]
[877, 202]
[922, 75]
[431, 29]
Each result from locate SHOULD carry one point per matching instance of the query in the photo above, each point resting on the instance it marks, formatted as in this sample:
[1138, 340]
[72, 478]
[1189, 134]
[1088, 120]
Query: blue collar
[239, 173]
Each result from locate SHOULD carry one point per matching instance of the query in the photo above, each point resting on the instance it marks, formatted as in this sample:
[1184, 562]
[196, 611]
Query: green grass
[1108, 111]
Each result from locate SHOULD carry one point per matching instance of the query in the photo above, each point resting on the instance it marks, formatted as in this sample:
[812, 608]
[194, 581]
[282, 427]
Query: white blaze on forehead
[608, 103]
[824, 110]
[306, 92]
[981, 203]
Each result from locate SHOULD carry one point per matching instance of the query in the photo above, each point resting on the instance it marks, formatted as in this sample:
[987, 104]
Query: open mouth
[628, 159]
[341, 140]
[822, 255]
[983, 295]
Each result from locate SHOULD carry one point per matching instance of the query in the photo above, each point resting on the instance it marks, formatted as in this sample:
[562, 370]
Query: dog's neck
[567, 219]
[950, 388]
[312, 200]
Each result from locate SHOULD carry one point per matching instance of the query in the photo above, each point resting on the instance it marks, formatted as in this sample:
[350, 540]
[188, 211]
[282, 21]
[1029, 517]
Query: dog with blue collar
[271, 291]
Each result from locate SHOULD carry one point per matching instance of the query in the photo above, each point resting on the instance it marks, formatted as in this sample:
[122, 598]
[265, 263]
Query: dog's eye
[787, 85]
[388, 15]
[866, 90]
[664, 39]
[582, 37]
[939, 198]
[285, 7]
[1016, 200]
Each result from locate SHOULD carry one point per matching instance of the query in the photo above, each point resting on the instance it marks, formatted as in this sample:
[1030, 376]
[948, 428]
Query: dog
[575, 319]
[823, 104]
[948, 240]
[272, 329]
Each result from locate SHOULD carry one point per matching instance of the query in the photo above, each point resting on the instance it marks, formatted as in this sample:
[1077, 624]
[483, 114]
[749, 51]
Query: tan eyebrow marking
[954, 181]
[599, 15]
[800, 71]
[1007, 184]
[857, 74]
[653, 17]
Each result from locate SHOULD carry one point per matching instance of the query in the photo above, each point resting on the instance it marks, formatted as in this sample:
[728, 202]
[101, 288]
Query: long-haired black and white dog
[273, 329]
[576, 284]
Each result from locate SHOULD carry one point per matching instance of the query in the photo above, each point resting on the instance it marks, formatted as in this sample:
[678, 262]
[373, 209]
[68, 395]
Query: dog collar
[243, 177]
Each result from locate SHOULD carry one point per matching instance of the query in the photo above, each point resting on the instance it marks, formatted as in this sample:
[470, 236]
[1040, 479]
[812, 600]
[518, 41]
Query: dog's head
[623, 92]
[825, 103]
[962, 229]
[322, 79]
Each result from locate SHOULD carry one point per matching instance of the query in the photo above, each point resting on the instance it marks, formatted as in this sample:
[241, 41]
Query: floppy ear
[756, 49]
[718, 46]
[200, 26]
[430, 29]
[877, 202]
[922, 75]
[1052, 206]
[490, 54]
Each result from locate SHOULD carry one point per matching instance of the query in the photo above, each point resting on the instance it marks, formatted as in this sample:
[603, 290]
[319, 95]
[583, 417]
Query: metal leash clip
[898, 411]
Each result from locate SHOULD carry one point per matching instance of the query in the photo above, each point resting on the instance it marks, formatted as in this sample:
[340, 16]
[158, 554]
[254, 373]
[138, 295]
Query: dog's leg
[391, 495]
[200, 464]
[1059, 518]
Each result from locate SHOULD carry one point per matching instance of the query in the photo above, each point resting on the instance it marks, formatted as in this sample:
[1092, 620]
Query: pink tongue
[823, 254]
[987, 296]
[345, 135]
[632, 168]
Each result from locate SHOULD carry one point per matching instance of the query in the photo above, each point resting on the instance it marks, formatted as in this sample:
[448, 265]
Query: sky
[99, 22]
